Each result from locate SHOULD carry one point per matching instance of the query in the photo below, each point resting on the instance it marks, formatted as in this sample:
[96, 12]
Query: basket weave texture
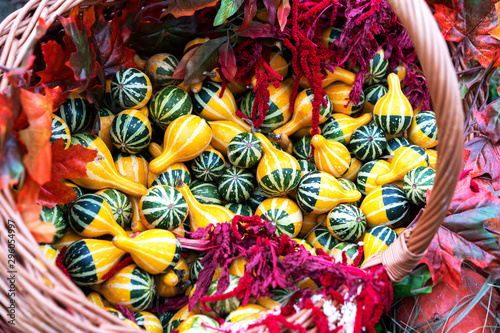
[64, 308]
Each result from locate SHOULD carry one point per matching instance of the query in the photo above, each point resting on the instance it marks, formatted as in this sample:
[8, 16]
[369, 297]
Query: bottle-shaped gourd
[102, 173]
[106, 119]
[405, 159]
[393, 112]
[202, 215]
[319, 192]
[339, 74]
[96, 299]
[185, 139]
[175, 281]
[278, 173]
[134, 167]
[154, 149]
[340, 127]
[377, 239]
[88, 260]
[330, 156]
[302, 112]
[91, 216]
[136, 221]
[154, 251]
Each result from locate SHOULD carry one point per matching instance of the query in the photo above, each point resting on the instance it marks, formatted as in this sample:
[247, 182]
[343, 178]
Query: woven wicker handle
[402, 256]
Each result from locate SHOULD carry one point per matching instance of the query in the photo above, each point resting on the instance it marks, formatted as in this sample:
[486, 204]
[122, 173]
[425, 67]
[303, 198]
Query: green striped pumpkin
[423, 131]
[163, 207]
[347, 223]
[169, 104]
[171, 176]
[56, 216]
[351, 252]
[244, 150]
[368, 174]
[321, 238]
[377, 239]
[330, 35]
[224, 307]
[349, 185]
[373, 94]
[385, 205]
[306, 167]
[239, 209]
[416, 183]
[76, 112]
[131, 88]
[205, 193]
[257, 197]
[120, 206]
[377, 69]
[160, 68]
[236, 184]
[284, 213]
[209, 166]
[116, 313]
[395, 143]
[308, 246]
[130, 131]
[165, 319]
[368, 142]
[60, 130]
[332, 130]
[302, 149]
[49, 252]
[208, 91]
[195, 268]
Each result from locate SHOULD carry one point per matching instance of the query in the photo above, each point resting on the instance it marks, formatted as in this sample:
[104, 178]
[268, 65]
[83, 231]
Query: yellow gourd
[433, 155]
[96, 299]
[149, 321]
[247, 312]
[303, 131]
[393, 112]
[201, 215]
[185, 138]
[308, 223]
[277, 63]
[237, 266]
[133, 167]
[170, 284]
[106, 118]
[237, 88]
[153, 250]
[154, 149]
[223, 131]
[338, 92]
[302, 113]
[69, 238]
[330, 156]
[285, 143]
[353, 171]
[278, 173]
[339, 74]
[347, 125]
[405, 159]
[136, 222]
[102, 173]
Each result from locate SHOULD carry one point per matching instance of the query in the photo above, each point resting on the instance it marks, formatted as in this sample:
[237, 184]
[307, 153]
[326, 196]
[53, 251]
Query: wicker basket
[64, 308]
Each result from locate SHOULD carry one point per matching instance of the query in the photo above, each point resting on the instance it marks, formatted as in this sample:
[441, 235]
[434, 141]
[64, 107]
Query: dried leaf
[227, 8]
[482, 156]
[204, 59]
[271, 10]
[488, 120]
[283, 11]
[180, 70]
[466, 81]
[180, 8]
[227, 61]
[56, 71]
[472, 193]
[250, 12]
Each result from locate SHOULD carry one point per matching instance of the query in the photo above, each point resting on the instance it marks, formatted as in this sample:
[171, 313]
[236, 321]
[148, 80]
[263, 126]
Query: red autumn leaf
[180, 70]
[250, 12]
[472, 193]
[271, 10]
[283, 11]
[227, 61]
[482, 156]
[56, 70]
[470, 22]
[66, 164]
[36, 137]
[9, 112]
[180, 8]
[496, 32]
[488, 120]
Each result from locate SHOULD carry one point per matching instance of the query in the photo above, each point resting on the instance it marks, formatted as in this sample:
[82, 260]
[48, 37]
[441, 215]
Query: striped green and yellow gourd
[372, 95]
[405, 159]
[423, 130]
[347, 223]
[205, 193]
[172, 174]
[377, 239]
[131, 131]
[224, 307]
[340, 127]
[368, 142]
[367, 176]
[284, 213]
[236, 184]
[239, 209]
[386, 205]
[209, 166]
[148, 321]
[163, 207]
[351, 252]
[160, 68]
[60, 130]
[120, 205]
[377, 68]
[131, 88]
[417, 182]
[321, 238]
[244, 150]
[76, 112]
[169, 104]
[57, 217]
[330, 156]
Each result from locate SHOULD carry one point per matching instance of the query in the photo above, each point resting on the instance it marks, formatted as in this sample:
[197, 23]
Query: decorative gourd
[249, 312]
[130, 131]
[385, 205]
[108, 101]
[349, 250]
[101, 173]
[50, 253]
[163, 207]
[393, 112]
[134, 167]
[205, 193]
[306, 245]
[131, 88]
[223, 308]
[372, 95]
[210, 106]
[56, 216]
[148, 321]
[377, 239]
[237, 88]
[432, 154]
[202, 215]
[377, 69]
[160, 68]
[88, 260]
[120, 205]
[196, 268]
[198, 324]
[319, 192]
[368, 142]
[178, 318]
[398, 231]
[185, 139]
[423, 130]
[347, 223]
[330, 156]
[353, 171]
[405, 159]
[91, 216]
[308, 223]
[306, 167]
[169, 104]
[106, 118]
[338, 92]
[279, 105]
[60, 130]
[278, 173]
[69, 238]
[417, 182]
[303, 131]
[136, 222]
[96, 299]
[257, 197]
[209, 166]
[330, 35]
[131, 287]
[340, 74]
[145, 110]
[223, 131]
[195, 43]
[237, 266]
[174, 282]
[284, 213]
[76, 112]
[172, 174]
[239, 209]
[154, 251]
[394, 144]
[236, 184]
[302, 113]
[244, 150]
[154, 149]
[302, 149]
[321, 238]
[368, 174]
[340, 127]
